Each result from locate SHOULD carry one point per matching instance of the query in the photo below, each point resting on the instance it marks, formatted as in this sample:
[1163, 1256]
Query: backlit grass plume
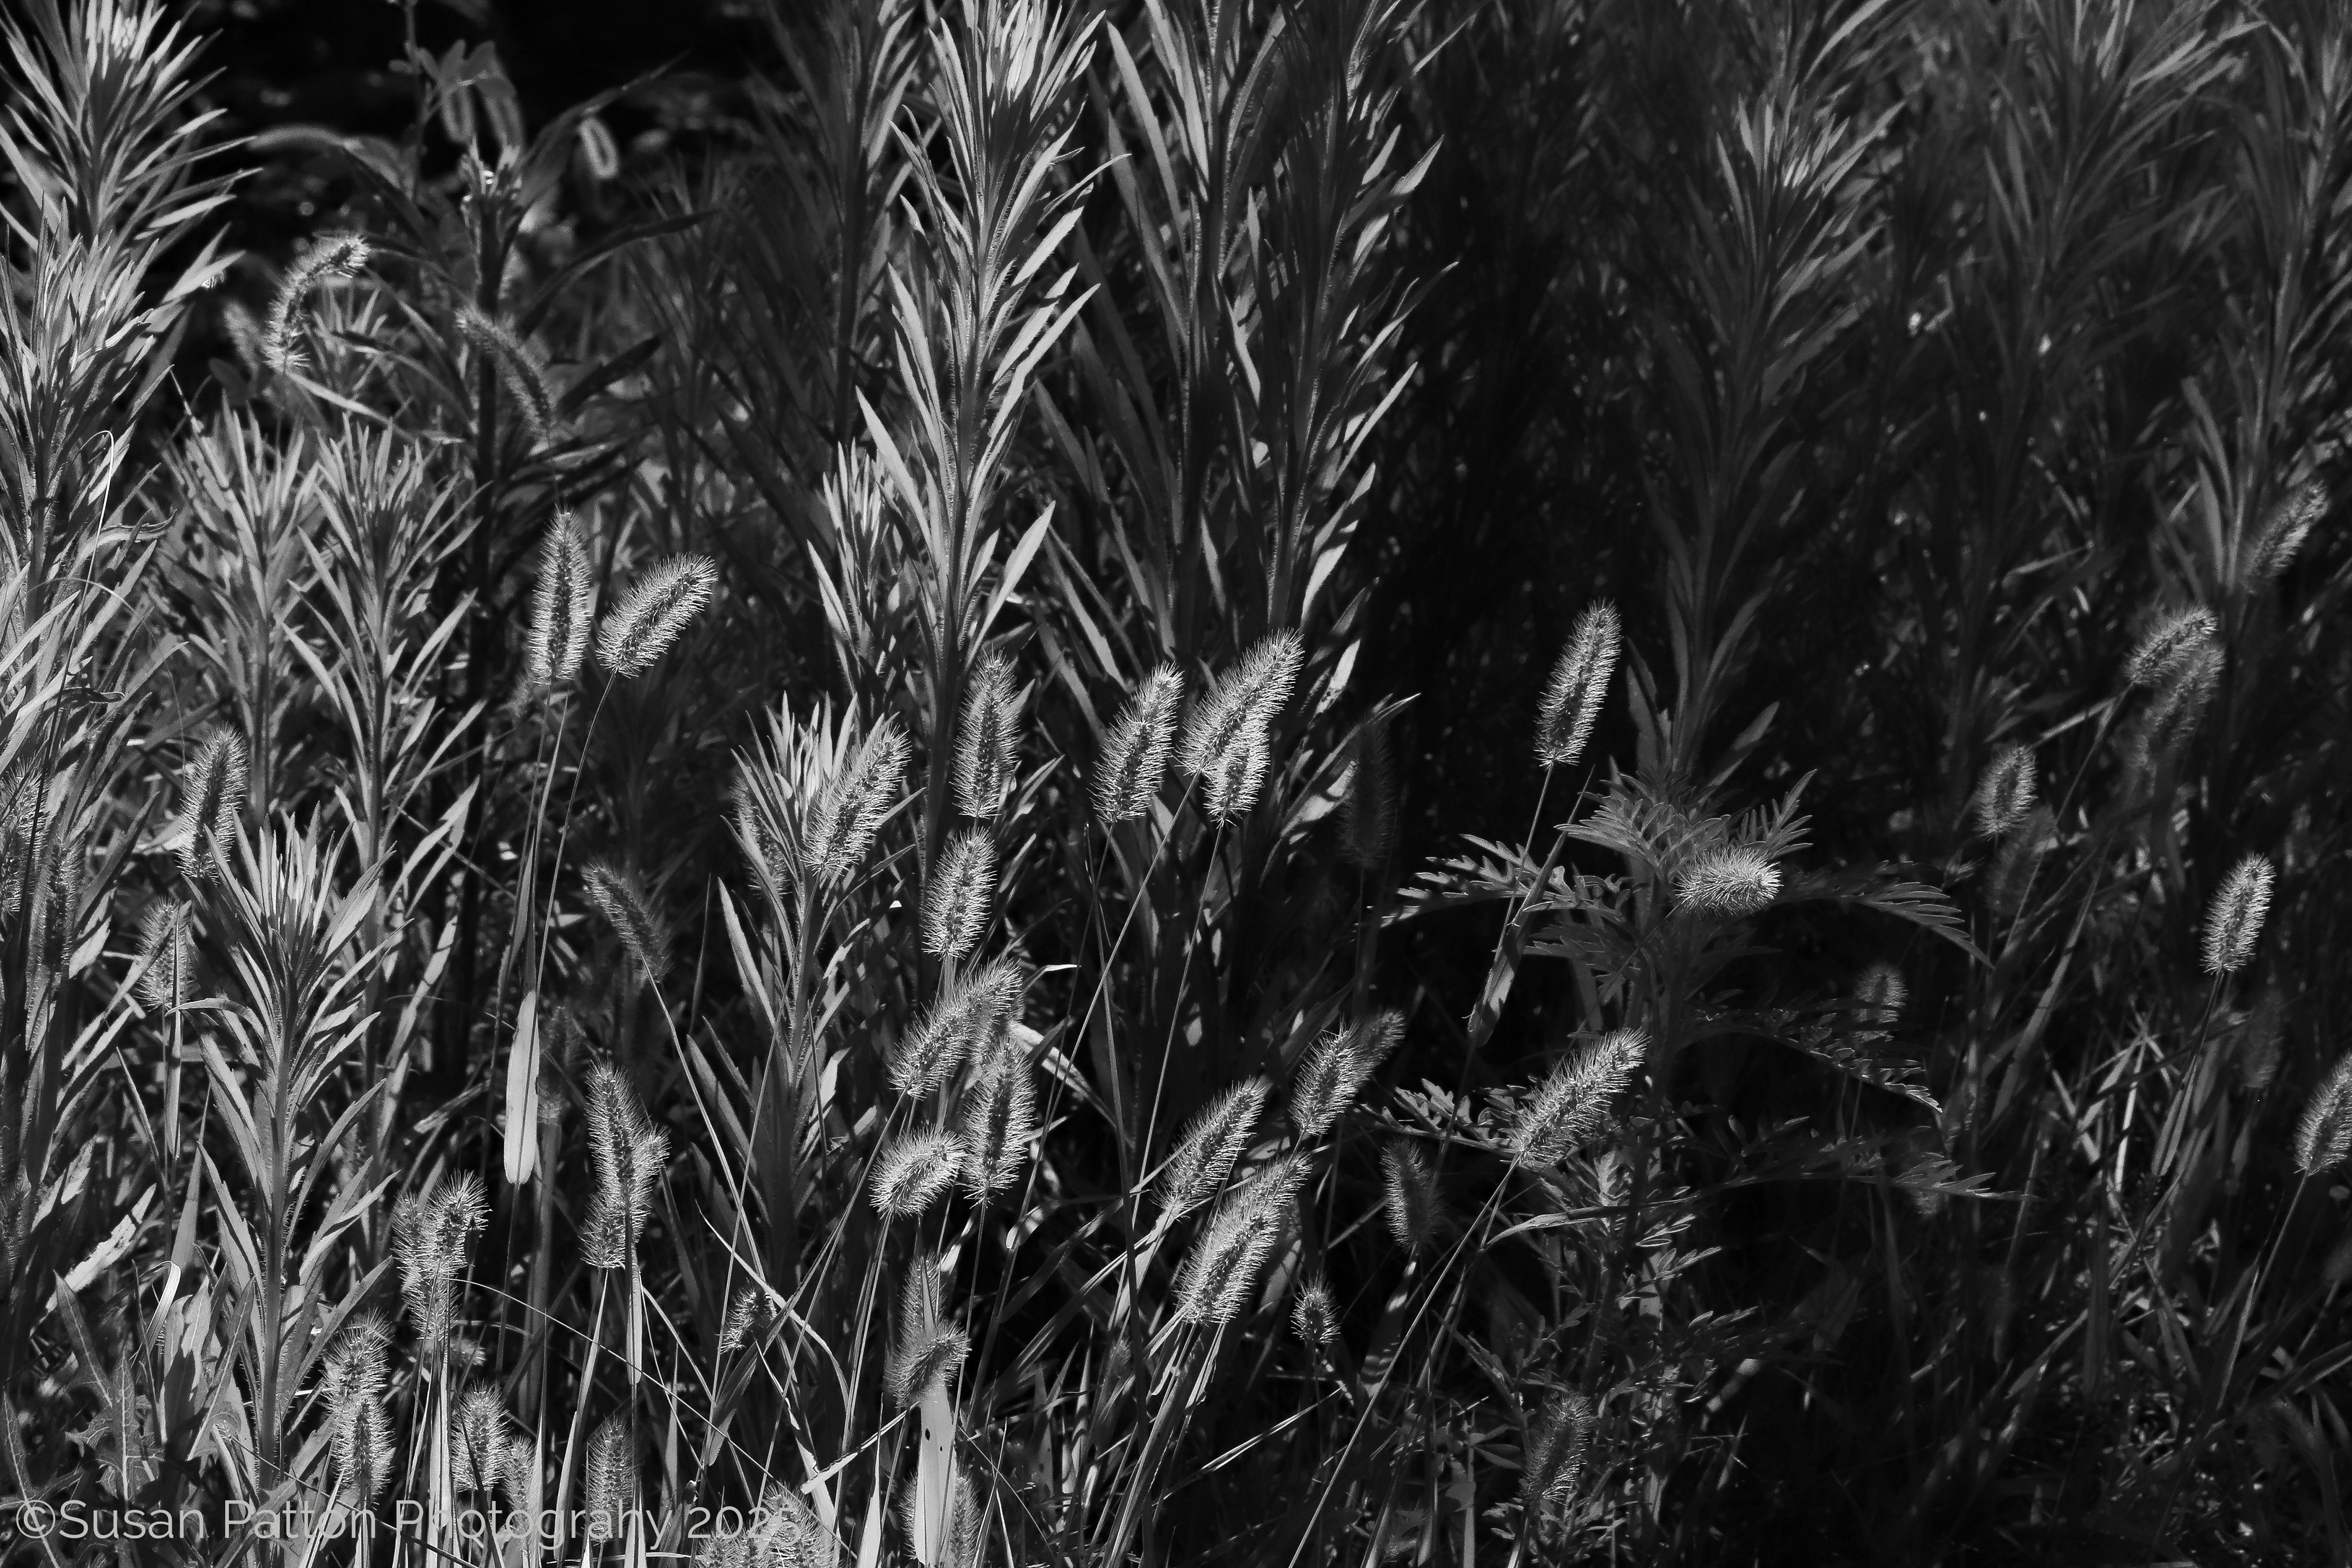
[1571, 1107]
[1216, 1137]
[433, 1238]
[481, 1436]
[632, 914]
[211, 793]
[2005, 794]
[165, 955]
[626, 1153]
[2283, 530]
[957, 899]
[850, 808]
[610, 1479]
[1879, 996]
[985, 738]
[1136, 748]
[1558, 1439]
[996, 1124]
[352, 1384]
[651, 614]
[2185, 688]
[2233, 922]
[1737, 880]
[1335, 1069]
[913, 1172]
[929, 1348]
[1228, 739]
[330, 256]
[963, 1026]
[561, 605]
[1408, 1195]
[1312, 1316]
[2323, 1134]
[2174, 636]
[1220, 1273]
[1579, 682]
[521, 369]
[751, 1313]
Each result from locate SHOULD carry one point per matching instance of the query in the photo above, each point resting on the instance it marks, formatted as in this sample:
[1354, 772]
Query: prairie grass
[1346, 781]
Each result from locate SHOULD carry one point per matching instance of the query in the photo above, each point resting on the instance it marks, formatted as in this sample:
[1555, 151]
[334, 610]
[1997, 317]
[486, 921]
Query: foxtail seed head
[1409, 1195]
[2284, 530]
[330, 256]
[1335, 1067]
[985, 738]
[519, 366]
[1135, 751]
[2005, 794]
[1571, 1107]
[610, 1477]
[1573, 697]
[631, 915]
[963, 1026]
[210, 795]
[2323, 1136]
[1879, 996]
[851, 805]
[997, 1124]
[1738, 879]
[750, 1315]
[913, 1172]
[2234, 921]
[650, 616]
[1218, 1275]
[358, 1431]
[1558, 1440]
[963, 886]
[1312, 1315]
[480, 1438]
[433, 1238]
[2185, 688]
[165, 955]
[560, 607]
[1229, 739]
[929, 1349]
[2174, 635]
[626, 1153]
[1204, 1156]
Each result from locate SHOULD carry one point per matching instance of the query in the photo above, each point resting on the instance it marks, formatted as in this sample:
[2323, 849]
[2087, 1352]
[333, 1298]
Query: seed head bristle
[341, 255]
[913, 1172]
[2005, 794]
[1204, 1156]
[632, 916]
[211, 796]
[1578, 683]
[1214, 1284]
[1409, 1196]
[787, 1533]
[749, 1314]
[963, 887]
[1571, 1108]
[963, 1026]
[166, 955]
[1136, 749]
[850, 808]
[561, 605]
[351, 1382]
[1312, 1316]
[1558, 1441]
[985, 738]
[1879, 996]
[998, 1121]
[2175, 635]
[433, 1241]
[2283, 531]
[2323, 1135]
[2234, 921]
[1335, 1069]
[1738, 879]
[610, 1477]
[657, 607]
[1367, 809]
[626, 1153]
[521, 370]
[480, 1438]
[1229, 738]
[928, 1349]
[2185, 688]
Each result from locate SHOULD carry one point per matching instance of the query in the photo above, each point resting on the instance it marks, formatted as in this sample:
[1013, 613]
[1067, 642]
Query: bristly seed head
[2185, 688]
[2283, 531]
[1335, 1067]
[631, 915]
[2234, 921]
[963, 886]
[929, 1349]
[850, 808]
[2005, 794]
[351, 1382]
[2175, 635]
[963, 1026]
[611, 1478]
[1409, 1195]
[519, 366]
[338, 254]
[2323, 1136]
[481, 1438]
[1312, 1315]
[750, 1315]
[913, 1172]
[626, 1153]
[997, 1123]
[1368, 807]
[433, 1240]
[165, 956]
[1579, 681]
[1214, 1284]
[1879, 996]
[211, 796]
[1571, 1108]
[1738, 879]
[1135, 751]
[1558, 1441]
[985, 737]
[1229, 739]
[650, 616]
[1204, 1156]
[560, 607]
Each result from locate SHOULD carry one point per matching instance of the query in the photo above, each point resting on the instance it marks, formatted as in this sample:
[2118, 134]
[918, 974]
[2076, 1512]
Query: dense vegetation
[1076, 781]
